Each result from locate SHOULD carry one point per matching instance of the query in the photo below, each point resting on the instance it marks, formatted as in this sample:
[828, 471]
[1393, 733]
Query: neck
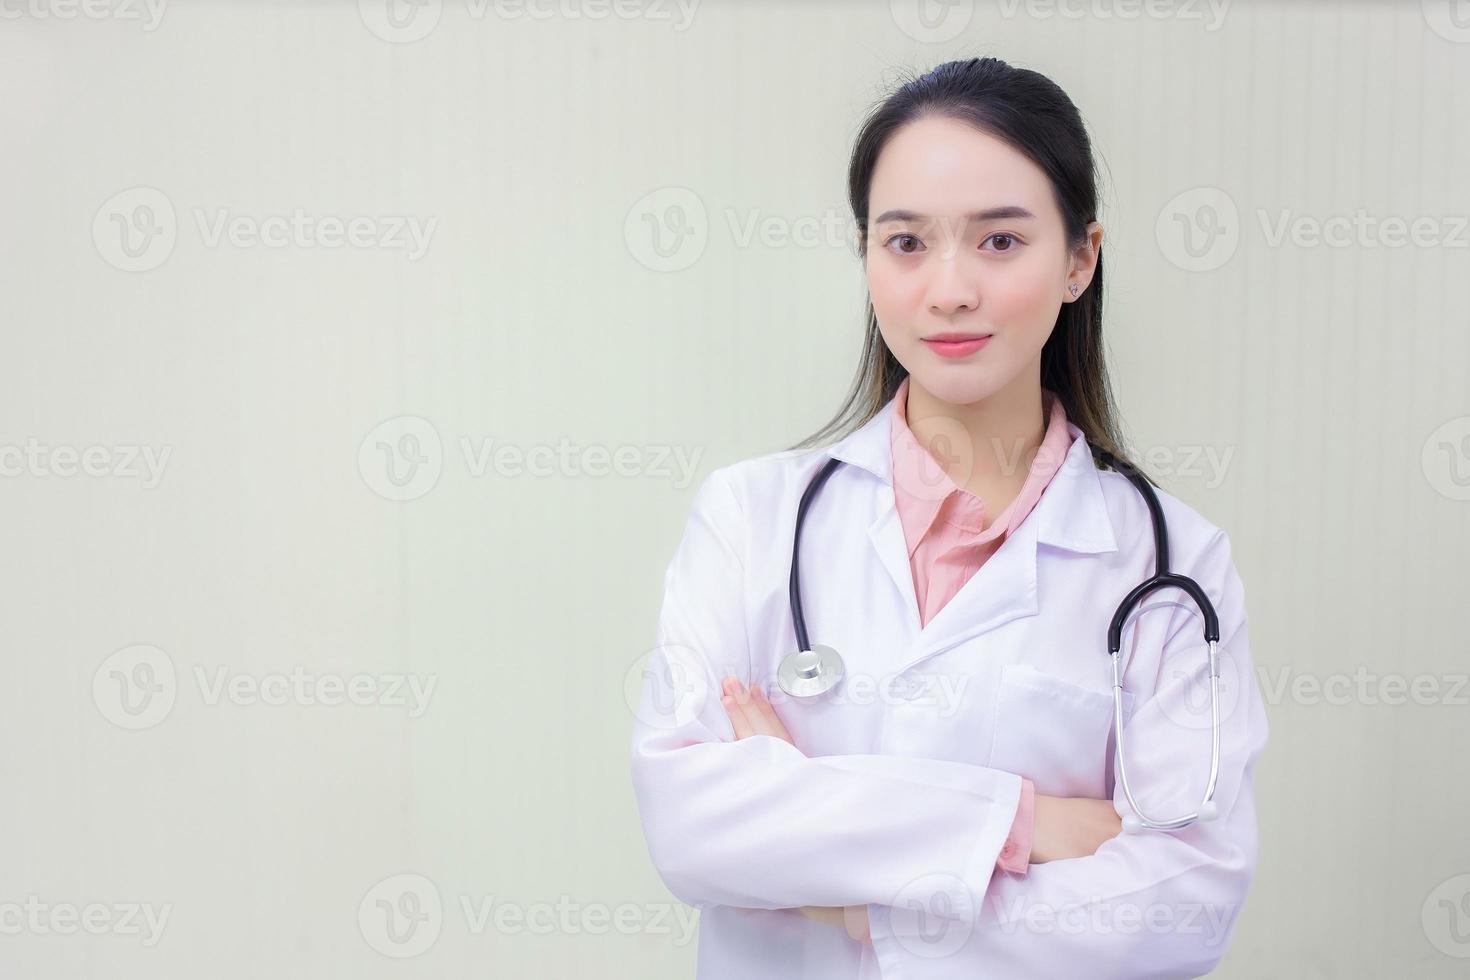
[1005, 428]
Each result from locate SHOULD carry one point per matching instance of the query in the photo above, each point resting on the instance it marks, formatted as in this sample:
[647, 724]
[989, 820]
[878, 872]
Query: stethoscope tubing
[1161, 579]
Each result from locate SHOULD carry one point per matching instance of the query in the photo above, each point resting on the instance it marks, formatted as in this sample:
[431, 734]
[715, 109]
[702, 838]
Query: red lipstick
[956, 344]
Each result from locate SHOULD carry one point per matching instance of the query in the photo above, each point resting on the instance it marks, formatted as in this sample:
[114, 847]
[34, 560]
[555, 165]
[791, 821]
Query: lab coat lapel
[886, 535]
[1002, 590]
[1071, 515]
[868, 448]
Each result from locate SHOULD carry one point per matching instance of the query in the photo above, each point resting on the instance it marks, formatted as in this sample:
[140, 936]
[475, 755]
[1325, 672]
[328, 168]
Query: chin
[957, 384]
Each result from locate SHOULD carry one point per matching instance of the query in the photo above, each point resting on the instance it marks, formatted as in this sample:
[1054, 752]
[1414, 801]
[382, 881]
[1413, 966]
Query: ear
[1083, 262]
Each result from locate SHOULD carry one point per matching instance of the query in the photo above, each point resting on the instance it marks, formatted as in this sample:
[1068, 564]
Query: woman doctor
[949, 809]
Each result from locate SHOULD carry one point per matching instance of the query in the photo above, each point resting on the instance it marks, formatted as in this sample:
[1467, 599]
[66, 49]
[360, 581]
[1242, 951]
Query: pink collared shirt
[949, 536]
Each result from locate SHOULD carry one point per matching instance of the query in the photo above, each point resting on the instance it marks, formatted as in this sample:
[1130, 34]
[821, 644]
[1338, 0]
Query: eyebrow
[989, 214]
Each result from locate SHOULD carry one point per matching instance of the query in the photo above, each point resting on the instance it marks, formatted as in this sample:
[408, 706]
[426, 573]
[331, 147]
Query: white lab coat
[904, 781]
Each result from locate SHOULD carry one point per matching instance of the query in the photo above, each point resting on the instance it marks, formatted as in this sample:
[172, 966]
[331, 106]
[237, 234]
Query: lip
[957, 344]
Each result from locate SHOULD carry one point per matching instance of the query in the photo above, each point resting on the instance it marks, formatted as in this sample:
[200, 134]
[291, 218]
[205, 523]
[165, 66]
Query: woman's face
[964, 237]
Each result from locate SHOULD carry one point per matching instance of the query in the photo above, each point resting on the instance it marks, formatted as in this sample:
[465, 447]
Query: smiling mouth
[955, 345]
[956, 338]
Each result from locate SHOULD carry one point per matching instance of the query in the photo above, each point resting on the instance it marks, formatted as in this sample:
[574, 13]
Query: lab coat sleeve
[1151, 904]
[755, 823]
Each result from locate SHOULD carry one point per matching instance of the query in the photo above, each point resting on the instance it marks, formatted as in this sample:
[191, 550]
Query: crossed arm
[1064, 828]
[746, 823]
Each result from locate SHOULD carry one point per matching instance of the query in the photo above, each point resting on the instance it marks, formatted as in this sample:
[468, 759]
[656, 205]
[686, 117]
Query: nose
[953, 288]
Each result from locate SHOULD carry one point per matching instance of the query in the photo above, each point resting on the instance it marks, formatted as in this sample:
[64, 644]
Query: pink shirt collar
[922, 489]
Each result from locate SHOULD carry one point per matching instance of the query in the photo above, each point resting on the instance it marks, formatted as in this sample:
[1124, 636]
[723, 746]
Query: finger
[737, 717]
[743, 701]
[736, 690]
[762, 718]
[769, 716]
[755, 722]
[734, 698]
[823, 913]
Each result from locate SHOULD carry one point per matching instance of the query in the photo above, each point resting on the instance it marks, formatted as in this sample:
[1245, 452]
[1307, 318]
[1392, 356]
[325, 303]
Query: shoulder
[756, 486]
[1198, 547]
[1189, 530]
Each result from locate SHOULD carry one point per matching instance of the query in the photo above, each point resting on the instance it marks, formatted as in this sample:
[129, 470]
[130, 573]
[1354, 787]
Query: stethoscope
[814, 670]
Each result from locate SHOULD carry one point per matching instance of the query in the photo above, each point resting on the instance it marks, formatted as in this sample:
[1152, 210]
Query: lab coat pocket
[1054, 732]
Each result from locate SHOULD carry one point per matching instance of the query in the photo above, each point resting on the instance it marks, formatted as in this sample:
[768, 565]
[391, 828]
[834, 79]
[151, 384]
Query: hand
[751, 713]
[853, 918]
[1071, 827]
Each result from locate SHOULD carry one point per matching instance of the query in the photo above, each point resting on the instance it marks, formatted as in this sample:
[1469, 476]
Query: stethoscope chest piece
[817, 669]
[810, 673]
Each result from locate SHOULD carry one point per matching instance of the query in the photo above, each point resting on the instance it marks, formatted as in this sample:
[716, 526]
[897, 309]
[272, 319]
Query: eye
[1011, 242]
[904, 236]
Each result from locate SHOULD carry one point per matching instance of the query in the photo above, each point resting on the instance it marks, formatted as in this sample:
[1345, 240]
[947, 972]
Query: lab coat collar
[1071, 515]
